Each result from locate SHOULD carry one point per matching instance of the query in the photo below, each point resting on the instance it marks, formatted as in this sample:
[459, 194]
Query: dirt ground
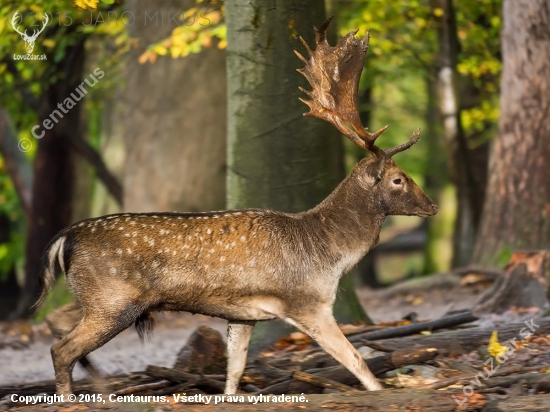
[24, 347]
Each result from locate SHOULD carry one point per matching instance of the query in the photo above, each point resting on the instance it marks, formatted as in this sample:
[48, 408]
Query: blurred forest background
[198, 110]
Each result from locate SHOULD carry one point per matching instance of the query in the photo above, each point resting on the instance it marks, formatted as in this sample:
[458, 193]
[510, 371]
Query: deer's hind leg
[97, 326]
[62, 321]
[321, 326]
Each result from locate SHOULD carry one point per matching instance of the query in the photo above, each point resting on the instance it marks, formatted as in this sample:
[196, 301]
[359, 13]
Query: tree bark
[277, 159]
[516, 212]
[176, 125]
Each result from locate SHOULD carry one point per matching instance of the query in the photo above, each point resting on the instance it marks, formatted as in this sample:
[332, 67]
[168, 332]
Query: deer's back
[195, 262]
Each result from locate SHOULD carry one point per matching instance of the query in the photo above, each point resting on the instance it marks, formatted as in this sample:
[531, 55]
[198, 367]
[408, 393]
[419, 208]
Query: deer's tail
[52, 257]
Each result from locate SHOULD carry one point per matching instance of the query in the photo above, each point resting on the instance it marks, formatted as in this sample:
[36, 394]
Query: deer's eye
[397, 181]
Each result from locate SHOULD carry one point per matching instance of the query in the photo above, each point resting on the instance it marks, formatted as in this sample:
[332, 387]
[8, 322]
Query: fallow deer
[242, 265]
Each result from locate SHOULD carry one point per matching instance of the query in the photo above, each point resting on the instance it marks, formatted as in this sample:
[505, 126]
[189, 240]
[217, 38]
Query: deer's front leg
[321, 326]
[238, 338]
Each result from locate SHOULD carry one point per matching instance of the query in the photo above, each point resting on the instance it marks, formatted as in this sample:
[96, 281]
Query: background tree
[175, 121]
[516, 212]
[277, 159]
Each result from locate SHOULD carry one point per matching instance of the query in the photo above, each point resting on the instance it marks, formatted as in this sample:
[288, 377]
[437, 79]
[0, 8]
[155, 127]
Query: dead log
[467, 377]
[114, 383]
[464, 341]
[524, 284]
[541, 381]
[377, 365]
[539, 403]
[184, 377]
[322, 382]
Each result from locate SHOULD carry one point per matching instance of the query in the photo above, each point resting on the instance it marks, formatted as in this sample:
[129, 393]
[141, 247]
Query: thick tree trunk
[516, 212]
[53, 171]
[176, 122]
[277, 158]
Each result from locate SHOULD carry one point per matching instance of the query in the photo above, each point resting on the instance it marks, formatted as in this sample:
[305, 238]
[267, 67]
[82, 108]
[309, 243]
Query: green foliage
[24, 82]
[58, 296]
[503, 257]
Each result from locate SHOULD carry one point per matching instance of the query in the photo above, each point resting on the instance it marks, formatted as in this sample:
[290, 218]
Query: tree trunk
[277, 158]
[53, 171]
[461, 173]
[516, 212]
[176, 125]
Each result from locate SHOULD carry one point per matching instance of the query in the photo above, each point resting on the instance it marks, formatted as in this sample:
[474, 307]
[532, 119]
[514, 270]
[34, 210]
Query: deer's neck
[348, 221]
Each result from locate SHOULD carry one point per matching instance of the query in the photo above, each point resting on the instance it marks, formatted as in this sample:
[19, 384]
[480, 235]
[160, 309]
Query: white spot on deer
[208, 231]
[138, 257]
[129, 251]
[126, 235]
[243, 238]
[185, 225]
[146, 238]
[151, 242]
[227, 247]
[111, 217]
[112, 271]
[253, 234]
[162, 231]
[211, 251]
[155, 264]
[233, 244]
[167, 249]
[93, 229]
[159, 251]
[252, 262]
[103, 253]
[80, 225]
[121, 228]
[174, 253]
[134, 234]
[216, 216]
[227, 214]
[155, 216]
[237, 214]
[218, 242]
[133, 223]
[187, 255]
[188, 237]
[179, 237]
[119, 251]
[222, 258]
[266, 244]
[205, 267]
[172, 224]
[128, 218]
[134, 242]
[247, 251]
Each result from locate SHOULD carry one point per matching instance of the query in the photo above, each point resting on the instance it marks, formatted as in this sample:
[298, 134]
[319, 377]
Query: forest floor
[25, 347]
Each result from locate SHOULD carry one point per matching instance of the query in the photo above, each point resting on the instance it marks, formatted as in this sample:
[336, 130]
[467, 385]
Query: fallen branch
[398, 331]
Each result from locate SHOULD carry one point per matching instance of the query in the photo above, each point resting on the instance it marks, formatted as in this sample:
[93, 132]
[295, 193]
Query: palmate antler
[334, 73]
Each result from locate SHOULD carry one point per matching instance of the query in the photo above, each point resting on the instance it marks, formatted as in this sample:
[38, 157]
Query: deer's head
[334, 74]
[28, 39]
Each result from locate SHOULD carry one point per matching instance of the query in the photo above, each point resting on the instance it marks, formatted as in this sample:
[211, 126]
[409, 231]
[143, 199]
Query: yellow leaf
[49, 43]
[494, 348]
[438, 12]
[84, 4]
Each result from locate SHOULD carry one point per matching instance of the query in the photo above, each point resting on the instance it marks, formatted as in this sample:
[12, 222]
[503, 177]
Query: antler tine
[321, 34]
[414, 138]
[334, 73]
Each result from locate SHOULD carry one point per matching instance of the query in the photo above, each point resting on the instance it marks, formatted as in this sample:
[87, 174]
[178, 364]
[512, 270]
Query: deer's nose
[434, 207]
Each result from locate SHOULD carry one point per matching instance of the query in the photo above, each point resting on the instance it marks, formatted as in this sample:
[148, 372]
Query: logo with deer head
[28, 39]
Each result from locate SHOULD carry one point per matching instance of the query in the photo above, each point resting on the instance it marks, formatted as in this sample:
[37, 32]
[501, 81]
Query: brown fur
[244, 265]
